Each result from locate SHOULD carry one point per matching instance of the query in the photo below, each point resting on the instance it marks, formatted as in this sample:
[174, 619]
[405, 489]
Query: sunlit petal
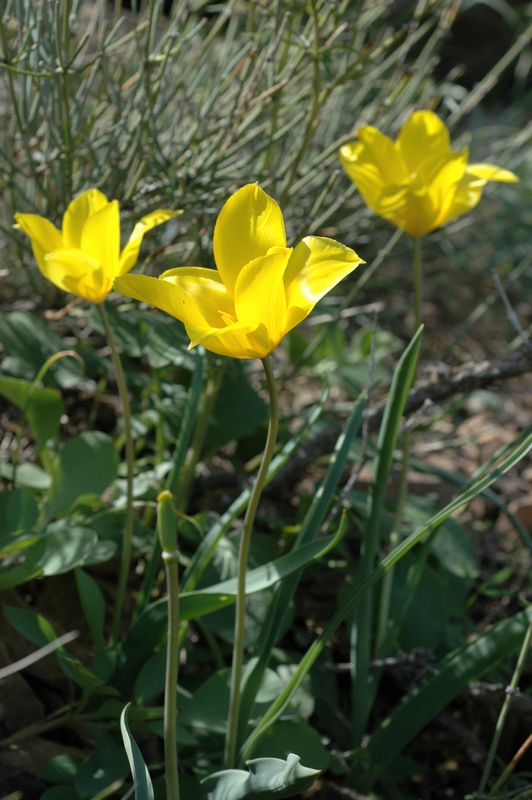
[77, 213]
[100, 237]
[130, 253]
[364, 173]
[489, 172]
[381, 150]
[43, 235]
[78, 273]
[163, 294]
[249, 224]
[316, 265]
[205, 288]
[238, 340]
[423, 137]
[260, 297]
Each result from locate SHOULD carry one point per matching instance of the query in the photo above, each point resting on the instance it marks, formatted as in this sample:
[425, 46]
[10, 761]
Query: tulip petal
[489, 172]
[78, 273]
[100, 237]
[236, 341]
[44, 236]
[206, 290]
[249, 224]
[426, 203]
[423, 136]
[78, 212]
[130, 253]
[167, 295]
[316, 265]
[260, 298]
[381, 150]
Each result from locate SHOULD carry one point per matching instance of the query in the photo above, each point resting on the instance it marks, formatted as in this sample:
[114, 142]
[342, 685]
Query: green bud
[166, 522]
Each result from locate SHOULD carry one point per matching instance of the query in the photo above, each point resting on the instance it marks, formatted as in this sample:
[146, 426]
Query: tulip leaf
[18, 511]
[266, 778]
[139, 770]
[452, 677]
[148, 631]
[27, 474]
[62, 549]
[235, 392]
[42, 407]
[88, 463]
[29, 342]
[93, 604]
[20, 573]
[106, 764]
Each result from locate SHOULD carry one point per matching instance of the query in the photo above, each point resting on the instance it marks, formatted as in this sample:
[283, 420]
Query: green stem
[130, 462]
[240, 612]
[171, 564]
[418, 283]
[516, 677]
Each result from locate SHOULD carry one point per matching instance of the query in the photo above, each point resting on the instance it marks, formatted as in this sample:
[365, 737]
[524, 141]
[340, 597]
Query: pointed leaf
[267, 778]
[139, 770]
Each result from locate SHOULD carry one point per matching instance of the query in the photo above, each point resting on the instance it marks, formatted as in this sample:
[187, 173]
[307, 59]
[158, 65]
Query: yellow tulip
[261, 289]
[84, 257]
[417, 182]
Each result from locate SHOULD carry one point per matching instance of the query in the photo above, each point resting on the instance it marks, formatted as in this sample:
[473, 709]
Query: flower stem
[240, 612]
[418, 282]
[130, 462]
[167, 536]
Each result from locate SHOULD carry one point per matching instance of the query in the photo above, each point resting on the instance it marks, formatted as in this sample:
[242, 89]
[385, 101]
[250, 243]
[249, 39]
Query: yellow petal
[260, 298]
[100, 237]
[423, 136]
[164, 294]
[249, 224]
[235, 341]
[489, 172]
[366, 171]
[77, 213]
[130, 253]
[78, 273]
[427, 204]
[44, 236]
[382, 151]
[206, 290]
[316, 265]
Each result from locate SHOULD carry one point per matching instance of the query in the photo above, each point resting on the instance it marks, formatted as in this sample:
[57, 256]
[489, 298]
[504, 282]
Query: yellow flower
[84, 257]
[262, 288]
[416, 182]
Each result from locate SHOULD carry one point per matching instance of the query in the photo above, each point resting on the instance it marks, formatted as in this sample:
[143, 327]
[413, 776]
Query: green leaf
[43, 407]
[106, 764]
[88, 463]
[139, 770]
[63, 549]
[207, 547]
[60, 769]
[29, 342]
[279, 741]
[93, 604]
[359, 591]
[452, 676]
[28, 474]
[195, 604]
[31, 625]
[267, 778]
[20, 573]
[235, 392]
[18, 511]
